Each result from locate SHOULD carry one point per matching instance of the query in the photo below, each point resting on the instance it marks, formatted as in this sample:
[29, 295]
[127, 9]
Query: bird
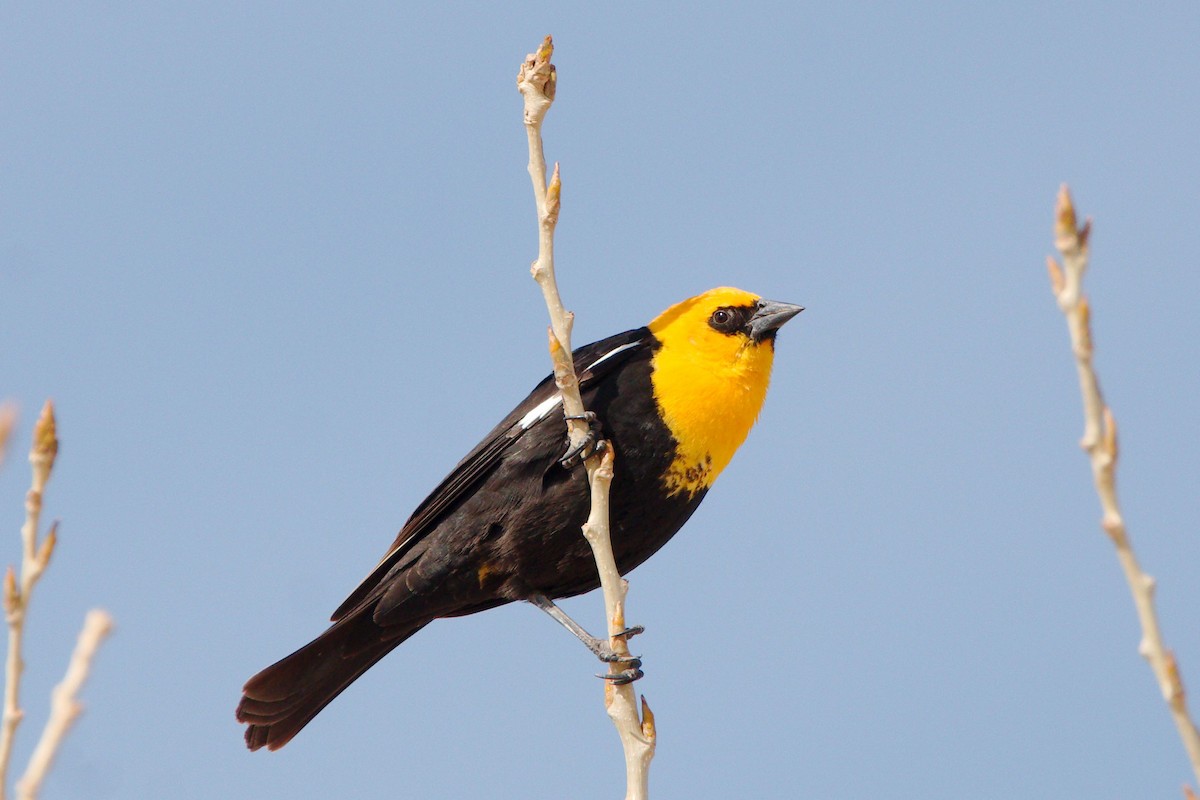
[674, 400]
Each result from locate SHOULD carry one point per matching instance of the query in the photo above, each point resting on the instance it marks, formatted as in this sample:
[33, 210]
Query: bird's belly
[559, 563]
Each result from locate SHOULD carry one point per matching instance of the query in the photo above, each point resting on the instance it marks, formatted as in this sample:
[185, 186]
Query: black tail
[279, 701]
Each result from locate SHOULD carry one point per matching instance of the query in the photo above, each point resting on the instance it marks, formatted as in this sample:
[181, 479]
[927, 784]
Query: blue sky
[271, 263]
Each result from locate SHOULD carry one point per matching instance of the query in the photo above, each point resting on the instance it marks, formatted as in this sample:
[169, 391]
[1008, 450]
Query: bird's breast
[709, 413]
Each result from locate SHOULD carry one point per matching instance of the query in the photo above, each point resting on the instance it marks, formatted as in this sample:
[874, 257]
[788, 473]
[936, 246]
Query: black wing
[592, 363]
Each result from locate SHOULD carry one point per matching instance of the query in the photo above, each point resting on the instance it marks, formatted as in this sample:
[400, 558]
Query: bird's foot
[631, 664]
[623, 677]
[590, 446]
[606, 653]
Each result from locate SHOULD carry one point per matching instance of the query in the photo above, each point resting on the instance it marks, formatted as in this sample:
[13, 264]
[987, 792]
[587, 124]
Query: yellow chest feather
[709, 398]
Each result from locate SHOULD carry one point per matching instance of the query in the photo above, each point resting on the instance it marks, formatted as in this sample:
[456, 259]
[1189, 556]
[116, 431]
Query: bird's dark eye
[724, 320]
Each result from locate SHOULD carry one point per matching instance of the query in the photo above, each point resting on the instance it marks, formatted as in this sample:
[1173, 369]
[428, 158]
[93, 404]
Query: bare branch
[8, 418]
[1100, 443]
[638, 736]
[537, 81]
[65, 707]
[17, 593]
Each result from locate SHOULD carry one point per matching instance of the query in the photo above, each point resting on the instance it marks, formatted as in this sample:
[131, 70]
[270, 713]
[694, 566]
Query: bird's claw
[623, 677]
[630, 632]
[613, 657]
[606, 653]
[631, 665]
[590, 446]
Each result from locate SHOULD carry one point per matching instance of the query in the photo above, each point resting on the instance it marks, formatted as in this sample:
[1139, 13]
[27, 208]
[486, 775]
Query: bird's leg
[599, 647]
[591, 444]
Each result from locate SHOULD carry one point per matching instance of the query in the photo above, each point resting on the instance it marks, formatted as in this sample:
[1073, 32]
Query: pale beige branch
[65, 707]
[537, 81]
[19, 589]
[638, 735]
[1100, 443]
[8, 418]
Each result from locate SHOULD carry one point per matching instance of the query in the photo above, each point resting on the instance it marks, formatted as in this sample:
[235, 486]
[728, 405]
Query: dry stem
[537, 82]
[35, 557]
[65, 707]
[638, 735]
[8, 418]
[34, 560]
[1100, 443]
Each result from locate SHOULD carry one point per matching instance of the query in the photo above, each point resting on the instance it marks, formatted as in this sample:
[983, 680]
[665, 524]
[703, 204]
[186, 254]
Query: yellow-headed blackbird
[675, 399]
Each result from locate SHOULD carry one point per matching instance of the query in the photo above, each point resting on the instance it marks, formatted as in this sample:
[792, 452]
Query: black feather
[505, 523]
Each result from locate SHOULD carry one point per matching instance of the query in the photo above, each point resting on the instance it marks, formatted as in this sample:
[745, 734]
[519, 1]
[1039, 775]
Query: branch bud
[8, 418]
[542, 57]
[605, 470]
[555, 345]
[564, 377]
[617, 623]
[45, 444]
[47, 548]
[1174, 690]
[648, 729]
[1066, 232]
[12, 594]
[537, 80]
[553, 197]
[1057, 281]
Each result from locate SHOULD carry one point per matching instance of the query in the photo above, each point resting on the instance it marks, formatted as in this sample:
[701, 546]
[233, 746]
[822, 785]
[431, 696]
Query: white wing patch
[539, 412]
[610, 354]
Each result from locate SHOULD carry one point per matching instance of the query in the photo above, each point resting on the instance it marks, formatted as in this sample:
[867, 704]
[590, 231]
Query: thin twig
[34, 560]
[65, 707]
[1100, 443]
[8, 418]
[638, 735]
[537, 81]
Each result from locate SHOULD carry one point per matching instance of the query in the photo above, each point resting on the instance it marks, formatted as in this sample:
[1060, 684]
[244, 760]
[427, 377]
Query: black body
[503, 525]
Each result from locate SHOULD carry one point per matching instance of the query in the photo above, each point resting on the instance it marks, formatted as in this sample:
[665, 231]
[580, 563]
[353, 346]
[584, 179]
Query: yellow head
[710, 377]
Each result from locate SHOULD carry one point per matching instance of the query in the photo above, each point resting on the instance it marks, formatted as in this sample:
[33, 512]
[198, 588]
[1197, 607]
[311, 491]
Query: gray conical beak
[770, 317]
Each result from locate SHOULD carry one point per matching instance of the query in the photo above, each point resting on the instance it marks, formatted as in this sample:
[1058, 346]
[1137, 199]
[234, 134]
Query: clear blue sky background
[271, 263]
